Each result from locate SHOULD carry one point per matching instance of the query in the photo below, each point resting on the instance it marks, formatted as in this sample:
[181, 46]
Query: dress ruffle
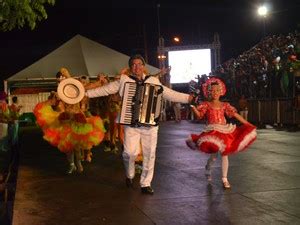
[45, 115]
[227, 139]
[68, 134]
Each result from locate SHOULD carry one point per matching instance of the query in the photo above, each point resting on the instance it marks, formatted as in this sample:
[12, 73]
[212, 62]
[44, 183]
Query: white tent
[81, 56]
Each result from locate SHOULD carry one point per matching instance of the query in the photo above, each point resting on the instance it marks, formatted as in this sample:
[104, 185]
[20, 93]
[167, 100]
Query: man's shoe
[147, 190]
[129, 182]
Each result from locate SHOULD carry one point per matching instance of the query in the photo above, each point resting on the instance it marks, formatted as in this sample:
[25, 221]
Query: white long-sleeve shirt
[118, 86]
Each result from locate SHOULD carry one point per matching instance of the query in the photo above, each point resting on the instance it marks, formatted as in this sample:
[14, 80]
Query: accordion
[141, 104]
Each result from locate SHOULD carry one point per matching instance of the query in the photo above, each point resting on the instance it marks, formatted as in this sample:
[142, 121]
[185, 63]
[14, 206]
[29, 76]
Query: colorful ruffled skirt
[68, 134]
[226, 139]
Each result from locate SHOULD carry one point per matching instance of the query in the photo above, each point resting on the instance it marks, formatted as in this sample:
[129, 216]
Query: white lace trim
[222, 128]
[246, 140]
[213, 139]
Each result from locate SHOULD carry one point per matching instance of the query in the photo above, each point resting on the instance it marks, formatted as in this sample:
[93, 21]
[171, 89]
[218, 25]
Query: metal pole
[145, 43]
[160, 49]
[264, 27]
[158, 22]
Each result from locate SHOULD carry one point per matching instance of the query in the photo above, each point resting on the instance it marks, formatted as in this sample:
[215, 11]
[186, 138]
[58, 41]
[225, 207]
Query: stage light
[176, 39]
[161, 57]
[262, 11]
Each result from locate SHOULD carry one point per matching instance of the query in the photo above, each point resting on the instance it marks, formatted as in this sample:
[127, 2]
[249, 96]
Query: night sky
[124, 25]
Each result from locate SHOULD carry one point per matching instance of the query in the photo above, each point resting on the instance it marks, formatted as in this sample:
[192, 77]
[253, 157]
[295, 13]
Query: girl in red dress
[218, 135]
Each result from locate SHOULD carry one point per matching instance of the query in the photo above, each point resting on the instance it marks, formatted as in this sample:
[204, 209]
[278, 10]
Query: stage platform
[265, 184]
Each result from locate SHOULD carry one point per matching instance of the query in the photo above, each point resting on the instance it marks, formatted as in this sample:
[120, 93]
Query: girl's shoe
[72, 168]
[226, 183]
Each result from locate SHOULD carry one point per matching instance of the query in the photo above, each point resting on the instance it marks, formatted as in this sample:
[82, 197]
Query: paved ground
[265, 185]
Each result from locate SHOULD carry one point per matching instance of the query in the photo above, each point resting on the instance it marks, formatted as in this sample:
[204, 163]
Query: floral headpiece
[206, 87]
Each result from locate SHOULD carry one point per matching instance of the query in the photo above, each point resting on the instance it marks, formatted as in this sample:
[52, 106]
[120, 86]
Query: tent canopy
[81, 56]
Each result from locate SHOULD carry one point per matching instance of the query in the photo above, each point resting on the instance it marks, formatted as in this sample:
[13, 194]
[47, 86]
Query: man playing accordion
[136, 132]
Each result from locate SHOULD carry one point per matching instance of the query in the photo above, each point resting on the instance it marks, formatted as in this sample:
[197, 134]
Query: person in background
[4, 119]
[84, 106]
[14, 111]
[108, 108]
[243, 107]
[163, 114]
[219, 136]
[177, 111]
[136, 134]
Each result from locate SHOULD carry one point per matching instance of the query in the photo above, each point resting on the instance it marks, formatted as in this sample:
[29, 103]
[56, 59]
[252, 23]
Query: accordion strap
[137, 80]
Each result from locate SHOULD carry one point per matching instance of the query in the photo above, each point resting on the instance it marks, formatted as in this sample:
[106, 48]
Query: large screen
[187, 64]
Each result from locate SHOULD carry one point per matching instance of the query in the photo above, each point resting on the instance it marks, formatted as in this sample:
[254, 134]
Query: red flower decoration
[206, 87]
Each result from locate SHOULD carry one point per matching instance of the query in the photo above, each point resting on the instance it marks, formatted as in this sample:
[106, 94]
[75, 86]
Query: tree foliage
[17, 13]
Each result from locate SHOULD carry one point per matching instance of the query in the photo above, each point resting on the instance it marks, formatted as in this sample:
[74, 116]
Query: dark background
[132, 26]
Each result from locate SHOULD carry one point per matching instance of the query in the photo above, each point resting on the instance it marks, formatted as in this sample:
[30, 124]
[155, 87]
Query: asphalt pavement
[265, 183]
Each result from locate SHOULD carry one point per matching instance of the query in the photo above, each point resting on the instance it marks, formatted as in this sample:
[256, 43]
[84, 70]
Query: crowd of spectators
[267, 70]
[270, 69]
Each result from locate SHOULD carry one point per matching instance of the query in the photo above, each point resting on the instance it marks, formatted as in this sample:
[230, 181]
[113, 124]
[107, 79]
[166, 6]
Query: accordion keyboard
[141, 104]
[127, 103]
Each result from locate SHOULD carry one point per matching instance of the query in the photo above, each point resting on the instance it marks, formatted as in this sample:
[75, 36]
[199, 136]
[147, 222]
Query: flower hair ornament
[206, 87]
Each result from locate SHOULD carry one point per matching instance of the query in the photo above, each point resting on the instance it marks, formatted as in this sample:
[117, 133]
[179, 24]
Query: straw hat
[70, 91]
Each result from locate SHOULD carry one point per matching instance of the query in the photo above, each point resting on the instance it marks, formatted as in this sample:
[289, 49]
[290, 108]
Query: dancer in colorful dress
[219, 136]
[4, 119]
[84, 105]
[66, 127]
[108, 107]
